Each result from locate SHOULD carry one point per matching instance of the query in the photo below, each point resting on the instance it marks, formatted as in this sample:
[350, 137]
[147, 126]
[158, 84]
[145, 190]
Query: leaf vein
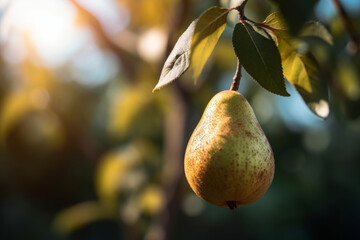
[258, 51]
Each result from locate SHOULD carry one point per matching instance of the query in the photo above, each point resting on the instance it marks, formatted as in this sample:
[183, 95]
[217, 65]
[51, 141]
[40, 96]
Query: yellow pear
[228, 160]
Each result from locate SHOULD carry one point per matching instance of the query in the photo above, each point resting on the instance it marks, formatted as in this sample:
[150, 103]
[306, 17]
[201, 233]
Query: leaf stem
[354, 39]
[261, 24]
[236, 80]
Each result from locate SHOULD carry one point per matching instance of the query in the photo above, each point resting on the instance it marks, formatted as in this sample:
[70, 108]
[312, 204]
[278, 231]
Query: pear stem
[231, 204]
[236, 80]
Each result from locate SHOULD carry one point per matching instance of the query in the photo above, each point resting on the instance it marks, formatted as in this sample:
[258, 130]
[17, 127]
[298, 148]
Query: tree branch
[174, 138]
[237, 77]
[236, 80]
[354, 39]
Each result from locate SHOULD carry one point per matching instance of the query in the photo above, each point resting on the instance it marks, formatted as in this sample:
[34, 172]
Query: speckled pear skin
[228, 157]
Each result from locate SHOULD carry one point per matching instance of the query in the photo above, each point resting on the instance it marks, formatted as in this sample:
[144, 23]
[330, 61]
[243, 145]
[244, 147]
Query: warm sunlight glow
[156, 38]
[49, 25]
[116, 16]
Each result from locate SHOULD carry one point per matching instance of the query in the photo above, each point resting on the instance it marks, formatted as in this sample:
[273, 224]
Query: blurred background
[87, 151]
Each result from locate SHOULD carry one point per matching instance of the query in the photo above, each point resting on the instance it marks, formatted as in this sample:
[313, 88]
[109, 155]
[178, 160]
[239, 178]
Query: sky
[325, 9]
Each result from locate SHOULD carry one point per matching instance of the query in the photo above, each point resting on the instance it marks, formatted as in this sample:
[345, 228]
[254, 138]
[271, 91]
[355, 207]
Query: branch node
[240, 9]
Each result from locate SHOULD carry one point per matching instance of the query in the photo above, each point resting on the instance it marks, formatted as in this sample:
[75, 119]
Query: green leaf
[179, 59]
[209, 27]
[260, 58]
[302, 71]
[276, 21]
[316, 29]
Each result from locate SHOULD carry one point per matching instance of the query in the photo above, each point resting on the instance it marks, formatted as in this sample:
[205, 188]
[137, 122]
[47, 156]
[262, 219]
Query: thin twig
[354, 39]
[236, 80]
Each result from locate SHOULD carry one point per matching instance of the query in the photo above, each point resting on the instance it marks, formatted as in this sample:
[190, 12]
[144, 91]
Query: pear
[228, 160]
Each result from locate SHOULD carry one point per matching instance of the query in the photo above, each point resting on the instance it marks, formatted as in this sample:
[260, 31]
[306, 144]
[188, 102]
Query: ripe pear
[228, 160]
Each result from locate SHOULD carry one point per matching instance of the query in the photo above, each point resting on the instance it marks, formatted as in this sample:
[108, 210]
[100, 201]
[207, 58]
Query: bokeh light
[48, 25]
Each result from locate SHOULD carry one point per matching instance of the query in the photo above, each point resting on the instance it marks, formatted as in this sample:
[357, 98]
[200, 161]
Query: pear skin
[228, 160]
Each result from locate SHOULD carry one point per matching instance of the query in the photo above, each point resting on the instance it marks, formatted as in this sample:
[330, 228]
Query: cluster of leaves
[266, 50]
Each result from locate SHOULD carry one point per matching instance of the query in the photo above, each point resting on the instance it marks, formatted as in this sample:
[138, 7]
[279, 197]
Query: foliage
[256, 50]
[301, 69]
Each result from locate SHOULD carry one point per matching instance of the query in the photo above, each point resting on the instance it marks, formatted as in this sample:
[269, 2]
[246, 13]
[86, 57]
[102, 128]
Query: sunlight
[117, 17]
[321, 108]
[49, 26]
